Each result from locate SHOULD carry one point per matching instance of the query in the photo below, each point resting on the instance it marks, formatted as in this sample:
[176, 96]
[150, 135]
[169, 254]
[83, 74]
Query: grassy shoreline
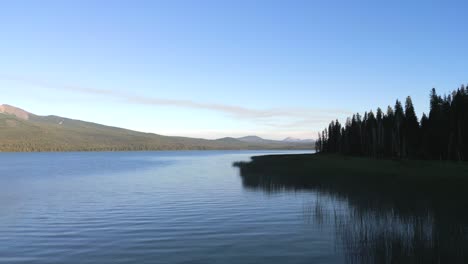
[427, 199]
[356, 175]
[335, 164]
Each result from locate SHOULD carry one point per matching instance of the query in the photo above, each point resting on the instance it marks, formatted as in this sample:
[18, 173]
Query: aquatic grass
[402, 211]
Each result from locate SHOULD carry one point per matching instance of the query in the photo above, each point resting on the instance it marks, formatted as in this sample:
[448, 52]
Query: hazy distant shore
[22, 131]
[150, 150]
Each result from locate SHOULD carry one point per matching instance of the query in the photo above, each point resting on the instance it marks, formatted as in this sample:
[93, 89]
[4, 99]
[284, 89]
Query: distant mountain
[298, 140]
[20, 113]
[253, 139]
[288, 140]
[24, 131]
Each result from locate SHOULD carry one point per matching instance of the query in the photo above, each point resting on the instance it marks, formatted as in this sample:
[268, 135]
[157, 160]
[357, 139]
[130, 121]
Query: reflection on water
[381, 223]
[149, 207]
[192, 207]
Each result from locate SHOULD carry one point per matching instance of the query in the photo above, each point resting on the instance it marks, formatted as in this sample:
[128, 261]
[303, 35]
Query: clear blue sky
[227, 68]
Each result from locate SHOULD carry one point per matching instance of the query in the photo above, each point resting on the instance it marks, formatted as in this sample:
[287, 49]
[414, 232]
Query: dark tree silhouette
[442, 135]
[411, 130]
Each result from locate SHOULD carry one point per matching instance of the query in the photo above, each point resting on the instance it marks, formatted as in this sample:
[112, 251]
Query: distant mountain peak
[11, 110]
[251, 137]
[293, 139]
[288, 140]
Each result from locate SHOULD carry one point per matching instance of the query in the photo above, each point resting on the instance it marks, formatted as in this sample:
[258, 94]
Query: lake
[192, 207]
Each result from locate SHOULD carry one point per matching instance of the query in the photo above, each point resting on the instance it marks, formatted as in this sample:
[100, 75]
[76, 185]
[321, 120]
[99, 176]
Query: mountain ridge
[23, 131]
[292, 139]
[12, 110]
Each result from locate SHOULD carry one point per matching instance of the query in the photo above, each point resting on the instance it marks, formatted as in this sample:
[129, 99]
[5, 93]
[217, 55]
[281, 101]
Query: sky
[212, 69]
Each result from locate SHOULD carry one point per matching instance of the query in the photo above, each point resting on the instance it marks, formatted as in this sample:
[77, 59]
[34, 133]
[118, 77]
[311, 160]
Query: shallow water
[186, 207]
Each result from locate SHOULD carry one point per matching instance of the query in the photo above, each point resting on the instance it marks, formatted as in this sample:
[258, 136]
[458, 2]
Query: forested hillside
[25, 132]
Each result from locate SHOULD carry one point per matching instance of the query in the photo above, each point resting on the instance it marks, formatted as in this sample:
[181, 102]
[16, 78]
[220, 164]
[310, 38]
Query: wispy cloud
[273, 117]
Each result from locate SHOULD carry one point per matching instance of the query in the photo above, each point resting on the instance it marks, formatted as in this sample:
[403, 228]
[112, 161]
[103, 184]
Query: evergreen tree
[443, 134]
[411, 129]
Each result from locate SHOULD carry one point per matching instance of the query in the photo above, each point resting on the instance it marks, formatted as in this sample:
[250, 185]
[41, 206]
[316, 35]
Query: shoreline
[343, 174]
[156, 150]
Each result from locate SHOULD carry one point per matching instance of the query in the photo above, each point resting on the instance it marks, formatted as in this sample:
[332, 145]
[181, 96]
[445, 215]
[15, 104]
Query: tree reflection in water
[416, 223]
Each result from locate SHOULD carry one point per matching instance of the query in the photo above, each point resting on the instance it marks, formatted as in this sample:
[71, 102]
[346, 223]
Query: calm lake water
[189, 207]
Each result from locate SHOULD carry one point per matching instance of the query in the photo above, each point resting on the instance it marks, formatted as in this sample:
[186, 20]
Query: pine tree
[411, 129]
[397, 134]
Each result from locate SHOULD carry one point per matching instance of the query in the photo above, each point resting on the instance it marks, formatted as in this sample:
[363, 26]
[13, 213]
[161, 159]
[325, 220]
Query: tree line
[441, 135]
